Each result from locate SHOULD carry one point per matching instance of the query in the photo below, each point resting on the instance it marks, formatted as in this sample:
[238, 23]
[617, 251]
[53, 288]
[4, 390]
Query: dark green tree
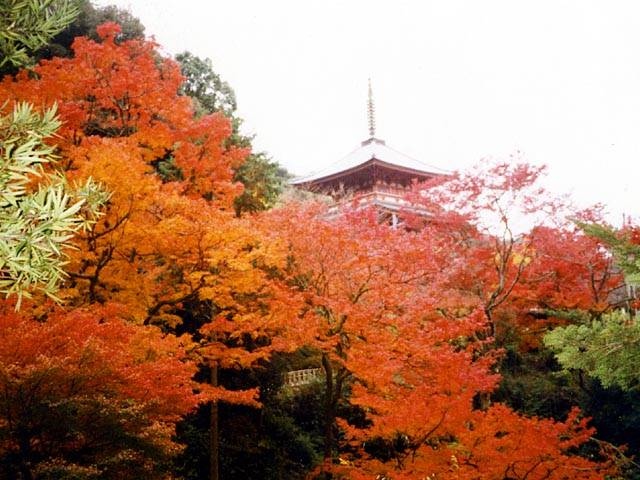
[54, 39]
[282, 439]
[204, 85]
[263, 179]
[85, 25]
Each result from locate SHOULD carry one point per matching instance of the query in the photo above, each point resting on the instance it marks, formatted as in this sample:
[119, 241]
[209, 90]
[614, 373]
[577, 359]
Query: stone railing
[297, 378]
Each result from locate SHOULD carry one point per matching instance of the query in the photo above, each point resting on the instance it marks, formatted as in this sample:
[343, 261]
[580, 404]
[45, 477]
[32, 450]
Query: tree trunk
[329, 408]
[25, 453]
[214, 441]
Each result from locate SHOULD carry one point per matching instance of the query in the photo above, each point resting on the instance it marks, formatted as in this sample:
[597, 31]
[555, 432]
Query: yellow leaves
[167, 320]
[520, 256]
[115, 163]
[521, 259]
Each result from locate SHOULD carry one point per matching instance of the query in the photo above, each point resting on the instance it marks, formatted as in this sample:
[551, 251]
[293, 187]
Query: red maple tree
[87, 393]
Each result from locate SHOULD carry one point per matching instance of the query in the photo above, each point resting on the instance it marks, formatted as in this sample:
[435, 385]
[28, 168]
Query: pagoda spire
[371, 113]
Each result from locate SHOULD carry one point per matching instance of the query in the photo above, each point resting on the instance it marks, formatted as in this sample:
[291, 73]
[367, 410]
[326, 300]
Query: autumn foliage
[87, 392]
[124, 122]
[402, 339]
[167, 237]
[406, 323]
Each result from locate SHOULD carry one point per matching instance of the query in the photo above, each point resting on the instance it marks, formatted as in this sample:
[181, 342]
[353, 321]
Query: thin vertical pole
[214, 441]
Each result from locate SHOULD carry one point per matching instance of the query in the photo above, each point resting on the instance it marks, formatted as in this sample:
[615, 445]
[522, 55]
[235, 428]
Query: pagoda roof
[370, 151]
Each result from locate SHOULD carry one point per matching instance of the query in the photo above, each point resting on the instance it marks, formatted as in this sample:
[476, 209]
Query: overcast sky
[453, 81]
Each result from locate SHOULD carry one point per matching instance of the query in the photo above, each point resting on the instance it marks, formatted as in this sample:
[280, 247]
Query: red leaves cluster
[405, 319]
[127, 91]
[501, 444]
[76, 382]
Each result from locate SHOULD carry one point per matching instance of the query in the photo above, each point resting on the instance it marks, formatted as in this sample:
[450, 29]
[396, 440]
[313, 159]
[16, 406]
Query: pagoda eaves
[372, 166]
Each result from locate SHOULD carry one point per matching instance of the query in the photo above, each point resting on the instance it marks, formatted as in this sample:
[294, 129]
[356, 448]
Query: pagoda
[372, 175]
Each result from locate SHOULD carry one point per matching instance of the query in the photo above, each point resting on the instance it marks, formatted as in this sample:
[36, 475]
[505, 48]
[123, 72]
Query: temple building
[372, 175]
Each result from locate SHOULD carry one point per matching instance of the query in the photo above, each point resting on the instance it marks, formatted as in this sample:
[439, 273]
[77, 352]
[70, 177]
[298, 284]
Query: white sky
[453, 80]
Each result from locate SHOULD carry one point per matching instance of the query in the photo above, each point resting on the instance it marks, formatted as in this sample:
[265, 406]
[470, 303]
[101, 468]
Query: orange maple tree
[495, 444]
[167, 232]
[168, 250]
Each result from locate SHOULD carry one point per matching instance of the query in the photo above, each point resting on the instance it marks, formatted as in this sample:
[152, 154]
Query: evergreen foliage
[36, 226]
[27, 25]
[607, 349]
[205, 86]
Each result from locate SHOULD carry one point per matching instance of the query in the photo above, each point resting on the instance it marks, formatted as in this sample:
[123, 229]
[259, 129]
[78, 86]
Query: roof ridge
[416, 160]
[365, 152]
[327, 167]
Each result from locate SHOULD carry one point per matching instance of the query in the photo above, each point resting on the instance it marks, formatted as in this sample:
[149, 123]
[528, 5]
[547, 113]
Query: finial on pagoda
[371, 111]
[371, 114]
